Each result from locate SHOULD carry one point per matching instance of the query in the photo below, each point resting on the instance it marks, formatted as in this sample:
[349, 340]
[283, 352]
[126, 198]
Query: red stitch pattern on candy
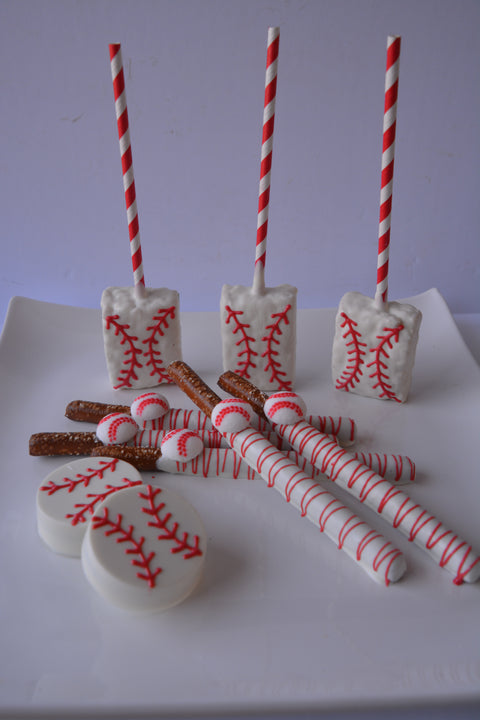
[381, 355]
[130, 352]
[351, 375]
[333, 461]
[278, 375]
[88, 508]
[190, 549]
[153, 355]
[135, 547]
[70, 484]
[243, 366]
[228, 410]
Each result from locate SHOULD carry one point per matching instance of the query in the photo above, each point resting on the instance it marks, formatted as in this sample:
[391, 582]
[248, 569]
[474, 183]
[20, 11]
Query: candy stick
[90, 411]
[403, 513]
[378, 557]
[121, 112]
[266, 158]
[146, 443]
[212, 462]
[388, 156]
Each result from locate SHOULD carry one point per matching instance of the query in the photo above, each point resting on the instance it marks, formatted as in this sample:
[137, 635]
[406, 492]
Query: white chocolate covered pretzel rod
[89, 411]
[368, 548]
[212, 462]
[387, 500]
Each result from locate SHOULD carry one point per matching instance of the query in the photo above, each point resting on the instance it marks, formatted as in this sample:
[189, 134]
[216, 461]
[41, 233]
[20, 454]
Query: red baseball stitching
[130, 353]
[135, 546]
[191, 549]
[380, 366]
[242, 365]
[270, 353]
[351, 374]
[153, 355]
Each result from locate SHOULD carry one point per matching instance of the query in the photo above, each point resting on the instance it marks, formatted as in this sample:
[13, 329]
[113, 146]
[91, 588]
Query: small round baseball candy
[67, 498]
[149, 406]
[116, 428]
[144, 549]
[232, 415]
[182, 445]
[285, 408]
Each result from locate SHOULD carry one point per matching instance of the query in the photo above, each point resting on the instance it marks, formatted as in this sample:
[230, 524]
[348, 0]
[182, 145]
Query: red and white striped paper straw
[118, 78]
[388, 154]
[266, 156]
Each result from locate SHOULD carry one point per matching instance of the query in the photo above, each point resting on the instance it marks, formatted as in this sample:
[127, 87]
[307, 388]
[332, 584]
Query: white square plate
[282, 619]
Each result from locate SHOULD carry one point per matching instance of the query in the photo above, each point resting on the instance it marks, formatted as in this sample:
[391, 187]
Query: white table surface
[420, 709]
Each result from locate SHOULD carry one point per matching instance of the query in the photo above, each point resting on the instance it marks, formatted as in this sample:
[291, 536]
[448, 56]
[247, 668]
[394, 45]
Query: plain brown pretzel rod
[143, 458]
[63, 443]
[89, 411]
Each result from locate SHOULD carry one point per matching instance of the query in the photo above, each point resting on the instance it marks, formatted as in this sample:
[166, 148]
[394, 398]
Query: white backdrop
[195, 76]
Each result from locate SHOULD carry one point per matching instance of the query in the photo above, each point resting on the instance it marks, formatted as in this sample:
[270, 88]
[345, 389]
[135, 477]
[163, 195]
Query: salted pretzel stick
[63, 443]
[212, 462]
[89, 411]
[403, 513]
[373, 553]
[81, 443]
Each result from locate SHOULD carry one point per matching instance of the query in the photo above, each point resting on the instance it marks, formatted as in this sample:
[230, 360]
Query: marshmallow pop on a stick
[375, 340]
[141, 326]
[368, 548]
[258, 323]
[396, 507]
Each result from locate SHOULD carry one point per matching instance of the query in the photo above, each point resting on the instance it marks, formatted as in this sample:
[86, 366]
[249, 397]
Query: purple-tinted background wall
[195, 74]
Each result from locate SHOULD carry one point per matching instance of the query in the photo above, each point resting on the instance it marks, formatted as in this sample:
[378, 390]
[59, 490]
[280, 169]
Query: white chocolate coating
[258, 333]
[285, 408]
[231, 415]
[374, 554]
[181, 445]
[116, 428]
[374, 350]
[68, 497]
[141, 335]
[144, 549]
[386, 499]
[149, 406]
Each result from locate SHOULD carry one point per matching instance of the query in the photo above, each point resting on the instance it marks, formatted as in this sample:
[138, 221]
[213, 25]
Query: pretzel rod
[53, 444]
[372, 552]
[63, 443]
[212, 462]
[403, 513]
[90, 411]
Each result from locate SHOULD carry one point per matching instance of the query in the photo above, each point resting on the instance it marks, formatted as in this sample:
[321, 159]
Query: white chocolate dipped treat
[147, 407]
[68, 497]
[258, 331]
[116, 428]
[231, 415]
[144, 549]
[374, 347]
[285, 408]
[181, 445]
[447, 548]
[141, 335]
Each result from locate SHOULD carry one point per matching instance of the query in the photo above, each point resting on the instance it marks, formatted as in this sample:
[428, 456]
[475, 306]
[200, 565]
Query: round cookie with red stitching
[285, 408]
[144, 549]
[232, 415]
[182, 445]
[116, 428]
[149, 406]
